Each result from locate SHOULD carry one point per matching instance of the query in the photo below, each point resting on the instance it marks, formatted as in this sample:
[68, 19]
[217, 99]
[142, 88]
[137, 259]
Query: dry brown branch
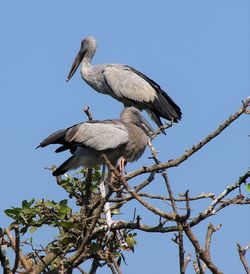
[170, 192]
[88, 113]
[76, 259]
[165, 198]
[3, 254]
[92, 222]
[17, 244]
[17, 250]
[115, 264]
[210, 230]
[195, 148]
[196, 267]
[158, 130]
[202, 254]
[210, 210]
[169, 216]
[181, 249]
[186, 262]
[128, 197]
[94, 266]
[199, 269]
[242, 252]
[46, 261]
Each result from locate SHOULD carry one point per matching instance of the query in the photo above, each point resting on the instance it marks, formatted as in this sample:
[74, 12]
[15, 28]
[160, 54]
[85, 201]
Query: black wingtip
[38, 146]
[57, 172]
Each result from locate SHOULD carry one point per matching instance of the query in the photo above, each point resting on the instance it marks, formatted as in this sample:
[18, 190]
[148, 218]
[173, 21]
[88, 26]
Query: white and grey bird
[87, 141]
[125, 84]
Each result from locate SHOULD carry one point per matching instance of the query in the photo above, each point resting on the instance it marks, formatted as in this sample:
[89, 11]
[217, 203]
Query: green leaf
[23, 230]
[116, 211]
[66, 225]
[64, 210]
[32, 229]
[67, 240]
[26, 204]
[12, 212]
[248, 187]
[130, 240]
[63, 202]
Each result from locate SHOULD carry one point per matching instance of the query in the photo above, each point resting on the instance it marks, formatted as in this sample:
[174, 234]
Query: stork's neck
[85, 66]
[86, 61]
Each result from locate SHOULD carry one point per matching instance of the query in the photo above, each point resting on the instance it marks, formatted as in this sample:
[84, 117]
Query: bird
[125, 84]
[125, 137]
[124, 140]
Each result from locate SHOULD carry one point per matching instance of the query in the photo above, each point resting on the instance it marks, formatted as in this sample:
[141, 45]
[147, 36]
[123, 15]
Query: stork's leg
[103, 190]
[121, 165]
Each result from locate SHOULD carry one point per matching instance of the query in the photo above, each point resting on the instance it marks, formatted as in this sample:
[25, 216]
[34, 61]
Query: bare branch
[210, 230]
[94, 266]
[16, 249]
[242, 252]
[153, 209]
[210, 210]
[170, 192]
[181, 249]
[199, 250]
[195, 148]
[88, 113]
[3, 256]
[186, 262]
[158, 130]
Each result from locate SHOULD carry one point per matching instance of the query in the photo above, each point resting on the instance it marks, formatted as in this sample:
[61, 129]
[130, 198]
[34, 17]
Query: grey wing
[99, 136]
[133, 87]
[125, 83]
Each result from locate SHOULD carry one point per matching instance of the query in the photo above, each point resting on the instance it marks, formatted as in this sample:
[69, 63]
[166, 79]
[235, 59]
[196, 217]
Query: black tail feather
[71, 163]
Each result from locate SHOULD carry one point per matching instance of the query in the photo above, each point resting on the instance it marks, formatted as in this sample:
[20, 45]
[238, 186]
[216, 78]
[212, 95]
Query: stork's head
[132, 115]
[87, 49]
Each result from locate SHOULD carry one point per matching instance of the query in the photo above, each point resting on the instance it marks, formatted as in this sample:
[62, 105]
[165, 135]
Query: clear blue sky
[196, 50]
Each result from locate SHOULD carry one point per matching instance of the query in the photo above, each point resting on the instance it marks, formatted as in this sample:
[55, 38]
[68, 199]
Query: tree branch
[153, 209]
[210, 210]
[200, 251]
[195, 148]
[242, 252]
[17, 250]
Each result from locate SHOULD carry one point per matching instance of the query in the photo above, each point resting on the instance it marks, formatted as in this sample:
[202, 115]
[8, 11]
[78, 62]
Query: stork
[123, 139]
[125, 84]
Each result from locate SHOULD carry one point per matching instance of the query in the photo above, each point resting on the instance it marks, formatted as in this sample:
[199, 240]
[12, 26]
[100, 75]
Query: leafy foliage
[73, 226]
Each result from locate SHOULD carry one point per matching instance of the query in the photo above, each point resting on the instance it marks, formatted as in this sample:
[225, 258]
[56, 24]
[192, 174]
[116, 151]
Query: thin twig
[170, 192]
[210, 210]
[153, 209]
[94, 266]
[186, 262]
[75, 260]
[193, 149]
[5, 262]
[242, 252]
[200, 251]
[17, 248]
[88, 113]
[210, 230]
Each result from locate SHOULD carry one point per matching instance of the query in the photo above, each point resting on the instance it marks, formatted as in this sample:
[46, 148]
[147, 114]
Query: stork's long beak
[76, 63]
[147, 127]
